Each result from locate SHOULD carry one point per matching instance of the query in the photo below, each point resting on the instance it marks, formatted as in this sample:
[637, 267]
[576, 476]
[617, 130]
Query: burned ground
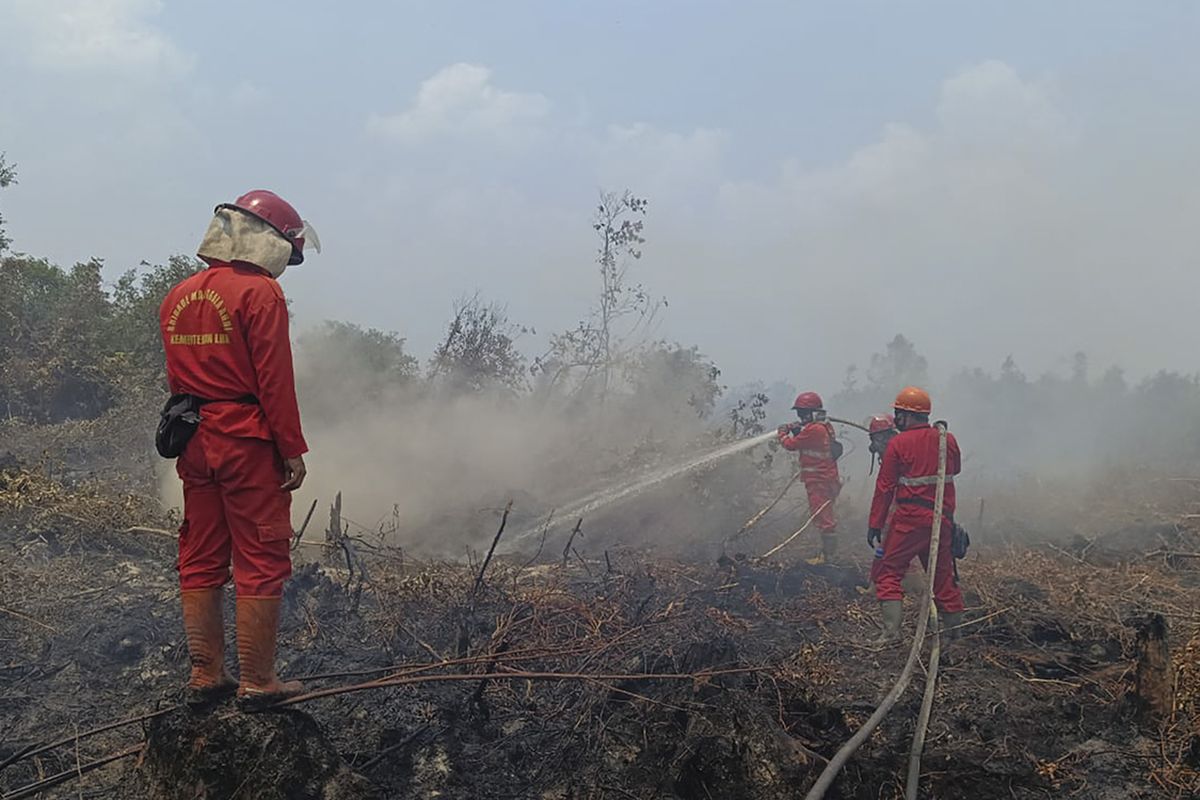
[621, 674]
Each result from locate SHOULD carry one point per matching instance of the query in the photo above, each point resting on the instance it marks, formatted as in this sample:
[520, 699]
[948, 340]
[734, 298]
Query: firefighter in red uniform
[881, 429]
[225, 331]
[908, 478]
[814, 439]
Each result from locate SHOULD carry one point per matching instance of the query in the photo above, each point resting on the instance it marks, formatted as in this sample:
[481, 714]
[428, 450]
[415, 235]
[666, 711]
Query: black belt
[923, 503]
[246, 400]
[180, 419]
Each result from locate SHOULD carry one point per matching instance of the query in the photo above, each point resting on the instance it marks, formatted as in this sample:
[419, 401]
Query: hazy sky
[987, 178]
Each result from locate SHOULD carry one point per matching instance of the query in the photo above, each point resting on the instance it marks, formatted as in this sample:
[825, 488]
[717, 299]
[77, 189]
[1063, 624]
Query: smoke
[430, 464]
[427, 465]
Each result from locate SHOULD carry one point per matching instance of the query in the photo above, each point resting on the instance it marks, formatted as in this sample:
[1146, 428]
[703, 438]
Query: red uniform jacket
[225, 331]
[814, 442]
[908, 475]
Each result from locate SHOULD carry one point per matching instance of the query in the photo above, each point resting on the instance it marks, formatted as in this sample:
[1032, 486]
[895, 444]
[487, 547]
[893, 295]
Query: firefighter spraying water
[814, 439]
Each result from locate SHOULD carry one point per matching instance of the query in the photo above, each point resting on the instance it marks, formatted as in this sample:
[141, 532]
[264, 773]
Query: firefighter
[225, 331]
[908, 478]
[881, 428]
[813, 438]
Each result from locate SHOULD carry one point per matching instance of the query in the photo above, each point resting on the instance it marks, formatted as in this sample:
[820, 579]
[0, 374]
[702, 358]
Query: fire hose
[863, 428]
[928, 611]
[754, 520]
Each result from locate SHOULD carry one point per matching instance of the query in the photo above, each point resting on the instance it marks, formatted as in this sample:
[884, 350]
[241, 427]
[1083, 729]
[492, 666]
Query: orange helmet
[914, 399]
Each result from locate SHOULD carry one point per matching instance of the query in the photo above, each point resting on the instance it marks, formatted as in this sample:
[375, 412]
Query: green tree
[479, 349]
[56, 347]
[8, 176]
[340, 366]
[136, 298]
[674, 377]
[898, 366]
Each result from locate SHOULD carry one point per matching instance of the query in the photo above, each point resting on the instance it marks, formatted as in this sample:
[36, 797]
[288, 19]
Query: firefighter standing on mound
[225, 331]
[908, 479]
[813, 438]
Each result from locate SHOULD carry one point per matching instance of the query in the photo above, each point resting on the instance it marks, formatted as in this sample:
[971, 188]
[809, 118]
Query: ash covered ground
[612, 673]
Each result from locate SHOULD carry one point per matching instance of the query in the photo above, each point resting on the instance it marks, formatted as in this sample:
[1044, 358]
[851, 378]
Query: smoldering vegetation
[428, 447]
[419, 453]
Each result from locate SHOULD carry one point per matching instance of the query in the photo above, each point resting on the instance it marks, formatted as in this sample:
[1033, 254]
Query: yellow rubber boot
[205, 627]
[257, 630]
[828, 548]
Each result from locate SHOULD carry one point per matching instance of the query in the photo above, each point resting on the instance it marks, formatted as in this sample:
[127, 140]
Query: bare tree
[624, 312]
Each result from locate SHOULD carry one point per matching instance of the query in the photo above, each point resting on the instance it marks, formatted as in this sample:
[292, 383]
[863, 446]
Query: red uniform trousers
[820, 492]
[877, 563]
[909, 536]
[234, 509]
[877, 567]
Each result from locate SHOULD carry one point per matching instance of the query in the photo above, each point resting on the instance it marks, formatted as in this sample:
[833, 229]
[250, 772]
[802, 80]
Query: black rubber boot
[950, 622]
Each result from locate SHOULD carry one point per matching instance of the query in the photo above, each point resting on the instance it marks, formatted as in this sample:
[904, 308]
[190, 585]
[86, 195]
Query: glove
[874, 536]
[784, 430]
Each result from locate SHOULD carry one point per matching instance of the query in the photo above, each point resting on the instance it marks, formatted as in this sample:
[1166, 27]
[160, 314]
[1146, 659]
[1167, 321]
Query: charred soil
[619, 675]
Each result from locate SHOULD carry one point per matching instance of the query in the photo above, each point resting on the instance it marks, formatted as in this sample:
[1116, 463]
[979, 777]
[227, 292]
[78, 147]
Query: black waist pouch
[959, 541]
[179, 420]
[177, 424]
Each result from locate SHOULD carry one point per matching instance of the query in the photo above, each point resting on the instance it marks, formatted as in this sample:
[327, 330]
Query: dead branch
[567, 550]
[385, 683]
[27, 618]
[491, 550]
[304, 527]
[78, 771]
[76, 738]
[803, 528]
[542, 543]
[750, 523]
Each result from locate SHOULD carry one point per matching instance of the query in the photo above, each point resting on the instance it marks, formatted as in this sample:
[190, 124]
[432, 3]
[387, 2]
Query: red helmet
[914, 399]
[880, 423]
[279, 214]
[808, 401]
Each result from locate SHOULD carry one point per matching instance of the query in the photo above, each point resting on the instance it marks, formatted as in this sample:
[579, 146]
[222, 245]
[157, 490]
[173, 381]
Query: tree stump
[266, 756]
[1154, 689]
